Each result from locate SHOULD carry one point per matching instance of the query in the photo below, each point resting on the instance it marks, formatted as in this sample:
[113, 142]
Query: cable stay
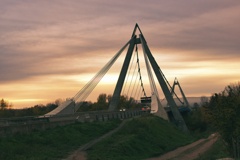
[70, 105]
[156, 106]
[131, 81]
[138, 89]
[134, 84]
[135, 78]
[128, 75]
[139, 73]
[150, 76]
[87, 89]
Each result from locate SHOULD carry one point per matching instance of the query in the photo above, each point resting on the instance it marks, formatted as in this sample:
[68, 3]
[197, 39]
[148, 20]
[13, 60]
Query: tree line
[36, 110]
[103, 101]
[6, 110]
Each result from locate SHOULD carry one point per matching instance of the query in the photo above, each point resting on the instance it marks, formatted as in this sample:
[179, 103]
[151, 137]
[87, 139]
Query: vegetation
[103, 103]
[140, 138]
[223, 112]
[54, 143]
[4, 104]
[197, 123]
[32, 111]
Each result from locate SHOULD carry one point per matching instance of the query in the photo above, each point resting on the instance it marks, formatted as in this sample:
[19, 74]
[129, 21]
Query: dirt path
[189, 152]
[200, 150]
[80, 154]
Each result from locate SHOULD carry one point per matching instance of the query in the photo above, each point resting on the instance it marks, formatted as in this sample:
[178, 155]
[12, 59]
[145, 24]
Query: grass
[140, 138]
[54, 143]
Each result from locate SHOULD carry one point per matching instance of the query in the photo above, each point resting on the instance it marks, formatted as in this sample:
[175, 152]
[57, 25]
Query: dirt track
[189, 152]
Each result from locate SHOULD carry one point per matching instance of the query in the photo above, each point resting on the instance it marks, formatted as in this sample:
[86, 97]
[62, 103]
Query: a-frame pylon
[159, 74]
[116, 94]
[176, 83]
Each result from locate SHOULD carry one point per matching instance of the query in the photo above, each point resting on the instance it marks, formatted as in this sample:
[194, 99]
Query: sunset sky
[50, 49]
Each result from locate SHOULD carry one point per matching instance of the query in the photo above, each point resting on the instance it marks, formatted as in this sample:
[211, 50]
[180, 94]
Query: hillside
[54, 143]
[140, 138]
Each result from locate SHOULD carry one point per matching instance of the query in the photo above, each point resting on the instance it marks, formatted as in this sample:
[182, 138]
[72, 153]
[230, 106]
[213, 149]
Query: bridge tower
[176, 83]
[159, 74]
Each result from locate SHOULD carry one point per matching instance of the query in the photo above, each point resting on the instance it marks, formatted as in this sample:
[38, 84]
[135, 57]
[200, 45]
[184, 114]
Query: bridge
[68, 110]
[70, 106]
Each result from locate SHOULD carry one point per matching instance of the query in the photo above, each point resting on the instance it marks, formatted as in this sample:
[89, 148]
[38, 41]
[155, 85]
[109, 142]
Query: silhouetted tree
[204, 100]
[58, 101]
[196, 120]
[4, 104]
[102, 102]
[31, 111]
[123, 102]
[223, 112]
[195, 105]
[109, 98]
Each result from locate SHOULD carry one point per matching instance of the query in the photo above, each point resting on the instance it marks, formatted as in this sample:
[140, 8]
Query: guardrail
[9, 126]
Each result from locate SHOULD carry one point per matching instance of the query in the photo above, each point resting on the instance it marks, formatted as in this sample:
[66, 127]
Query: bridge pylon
[159, 74]
[176, 83]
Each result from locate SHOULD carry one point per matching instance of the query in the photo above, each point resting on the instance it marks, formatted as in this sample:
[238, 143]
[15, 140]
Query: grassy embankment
[54, 143]
[140, 138]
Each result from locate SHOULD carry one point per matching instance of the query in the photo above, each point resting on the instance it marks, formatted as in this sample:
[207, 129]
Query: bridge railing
[97, 115]
[10, 126]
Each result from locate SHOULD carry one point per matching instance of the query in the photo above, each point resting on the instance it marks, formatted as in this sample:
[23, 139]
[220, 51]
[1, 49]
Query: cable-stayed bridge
[131, 73]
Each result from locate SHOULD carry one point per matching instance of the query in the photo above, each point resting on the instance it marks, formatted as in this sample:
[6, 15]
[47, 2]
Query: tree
[102, 102]
[128, 103]
[58, 101]
[4, 104]
[102, 99]
[204, 100]
[109, 98]
[223, 112]
[195, 120]
[123, 102]
[195, 105]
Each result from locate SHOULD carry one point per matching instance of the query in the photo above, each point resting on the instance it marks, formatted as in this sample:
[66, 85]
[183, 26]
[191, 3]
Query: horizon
[50, 50]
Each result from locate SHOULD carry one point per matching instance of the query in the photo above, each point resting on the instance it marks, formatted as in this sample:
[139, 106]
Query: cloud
[59, 38]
